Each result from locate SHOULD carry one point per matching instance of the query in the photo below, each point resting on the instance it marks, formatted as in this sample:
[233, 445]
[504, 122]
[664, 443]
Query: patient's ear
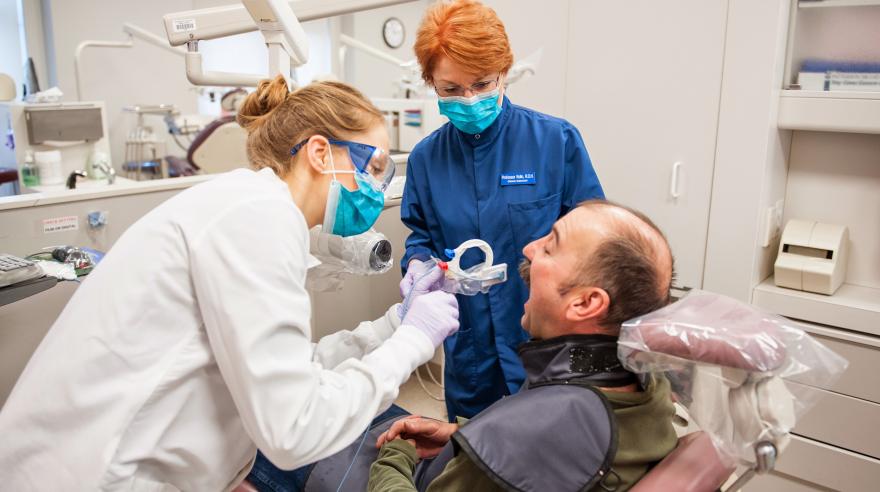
[588, 303]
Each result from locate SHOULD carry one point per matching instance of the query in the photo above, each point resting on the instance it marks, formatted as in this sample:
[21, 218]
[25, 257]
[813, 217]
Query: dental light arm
[275, 19]
[132, 31]
[144, 35]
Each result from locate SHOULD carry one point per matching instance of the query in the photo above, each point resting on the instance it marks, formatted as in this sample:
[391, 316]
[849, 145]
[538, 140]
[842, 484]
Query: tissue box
[812, 256]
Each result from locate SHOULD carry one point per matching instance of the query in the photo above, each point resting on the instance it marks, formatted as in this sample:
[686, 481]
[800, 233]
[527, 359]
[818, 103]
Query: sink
[82, 184]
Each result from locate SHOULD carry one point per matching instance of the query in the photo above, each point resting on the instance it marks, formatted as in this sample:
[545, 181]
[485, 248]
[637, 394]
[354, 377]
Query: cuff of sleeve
[421, 254]
[400, 355]
[402, 447]
[387, 324]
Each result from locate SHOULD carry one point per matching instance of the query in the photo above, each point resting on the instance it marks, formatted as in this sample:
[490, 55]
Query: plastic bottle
[30, 174]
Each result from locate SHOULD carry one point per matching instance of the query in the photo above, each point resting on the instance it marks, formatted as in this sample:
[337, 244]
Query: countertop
[91, 189]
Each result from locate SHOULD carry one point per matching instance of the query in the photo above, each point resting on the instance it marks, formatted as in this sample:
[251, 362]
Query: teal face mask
[471, 114]
[350, 213]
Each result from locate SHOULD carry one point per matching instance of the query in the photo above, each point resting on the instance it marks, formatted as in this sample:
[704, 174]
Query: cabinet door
[643, 86]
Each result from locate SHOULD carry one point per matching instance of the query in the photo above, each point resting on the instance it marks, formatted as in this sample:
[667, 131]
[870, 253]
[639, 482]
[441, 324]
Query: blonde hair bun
[269, 95]
[276, 119]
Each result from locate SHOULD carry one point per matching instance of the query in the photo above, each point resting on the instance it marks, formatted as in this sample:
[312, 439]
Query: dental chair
[221, 146]
[740, 374]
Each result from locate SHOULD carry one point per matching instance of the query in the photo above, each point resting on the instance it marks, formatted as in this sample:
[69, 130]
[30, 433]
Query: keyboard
[14, 270]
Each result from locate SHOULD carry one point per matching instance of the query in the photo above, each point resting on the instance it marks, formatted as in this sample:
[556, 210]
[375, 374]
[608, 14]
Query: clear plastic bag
[476, 279]
[369, 253]
[744, 375]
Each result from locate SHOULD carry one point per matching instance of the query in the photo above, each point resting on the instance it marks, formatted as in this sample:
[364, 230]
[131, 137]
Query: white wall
[143, 74]
[10, 45]
[541, 26]
[375, 77]
[527, 30]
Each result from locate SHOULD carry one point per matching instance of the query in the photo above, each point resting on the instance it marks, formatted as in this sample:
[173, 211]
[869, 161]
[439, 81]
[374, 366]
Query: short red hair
[468, 33]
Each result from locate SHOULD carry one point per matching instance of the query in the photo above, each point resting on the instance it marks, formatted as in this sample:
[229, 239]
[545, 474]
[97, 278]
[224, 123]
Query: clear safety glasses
[366, 159]
[481, 87]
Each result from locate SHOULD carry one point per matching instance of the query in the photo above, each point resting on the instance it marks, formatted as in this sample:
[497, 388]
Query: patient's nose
[529, 249]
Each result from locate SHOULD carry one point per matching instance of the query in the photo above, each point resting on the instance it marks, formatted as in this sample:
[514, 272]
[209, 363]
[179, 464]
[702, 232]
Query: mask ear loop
[333, 170]
[332, 164]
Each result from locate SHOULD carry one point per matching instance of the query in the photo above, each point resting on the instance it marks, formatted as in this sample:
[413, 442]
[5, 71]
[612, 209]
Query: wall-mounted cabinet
[832, 175]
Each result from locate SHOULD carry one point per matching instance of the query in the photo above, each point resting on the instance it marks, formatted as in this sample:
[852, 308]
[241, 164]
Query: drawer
[843, 421]
[777, 482]
[860, 378]
[824, 466]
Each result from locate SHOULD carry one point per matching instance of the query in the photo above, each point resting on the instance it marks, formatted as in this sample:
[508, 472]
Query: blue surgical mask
[471, 114]
[349, 213]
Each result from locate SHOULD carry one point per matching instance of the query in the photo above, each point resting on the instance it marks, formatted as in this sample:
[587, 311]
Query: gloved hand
[435, 314]
[414, 272]
[426, 278]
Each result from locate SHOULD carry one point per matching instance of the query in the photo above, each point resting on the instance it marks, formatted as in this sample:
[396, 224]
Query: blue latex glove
[435, 314]
[415, 271]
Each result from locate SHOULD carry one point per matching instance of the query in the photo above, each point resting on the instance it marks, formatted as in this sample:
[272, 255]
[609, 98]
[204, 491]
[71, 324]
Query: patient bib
[559, 437]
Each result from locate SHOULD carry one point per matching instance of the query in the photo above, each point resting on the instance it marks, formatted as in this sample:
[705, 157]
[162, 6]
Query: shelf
[804, 4]
[853, 112]
[852, 307]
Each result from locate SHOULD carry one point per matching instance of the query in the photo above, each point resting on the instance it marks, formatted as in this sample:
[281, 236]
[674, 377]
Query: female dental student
[189, 345]
[497, 171]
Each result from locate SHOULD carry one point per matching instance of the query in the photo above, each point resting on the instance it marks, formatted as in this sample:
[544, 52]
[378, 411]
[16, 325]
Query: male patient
[581, 422]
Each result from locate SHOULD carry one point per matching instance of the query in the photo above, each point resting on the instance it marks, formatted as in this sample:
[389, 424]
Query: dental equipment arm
[354, 43]
[132, 31]
[138, 32]
[275, 19]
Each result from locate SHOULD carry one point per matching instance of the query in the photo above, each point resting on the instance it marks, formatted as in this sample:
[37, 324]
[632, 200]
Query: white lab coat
[188, 347]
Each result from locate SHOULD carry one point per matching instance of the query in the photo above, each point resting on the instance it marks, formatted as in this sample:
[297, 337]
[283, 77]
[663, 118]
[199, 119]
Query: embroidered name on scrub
[518, 178]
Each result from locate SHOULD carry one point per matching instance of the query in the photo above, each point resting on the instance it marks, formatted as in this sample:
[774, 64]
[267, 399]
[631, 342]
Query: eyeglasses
[366, 159]
[478, 88]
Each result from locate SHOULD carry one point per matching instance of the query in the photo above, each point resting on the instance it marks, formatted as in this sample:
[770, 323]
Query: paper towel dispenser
[812, 256]
[64, 123]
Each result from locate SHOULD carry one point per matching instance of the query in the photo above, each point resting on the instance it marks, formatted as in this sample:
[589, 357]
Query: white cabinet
[643, 87]
[814, 154]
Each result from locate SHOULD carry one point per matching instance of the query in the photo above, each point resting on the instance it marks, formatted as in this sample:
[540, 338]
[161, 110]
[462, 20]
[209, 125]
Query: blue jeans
[266, 477]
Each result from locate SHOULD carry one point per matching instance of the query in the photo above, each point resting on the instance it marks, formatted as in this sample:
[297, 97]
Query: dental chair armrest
[693, 466]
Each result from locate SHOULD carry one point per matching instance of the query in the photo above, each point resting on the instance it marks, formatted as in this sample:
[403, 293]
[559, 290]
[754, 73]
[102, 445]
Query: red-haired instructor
[495, 171]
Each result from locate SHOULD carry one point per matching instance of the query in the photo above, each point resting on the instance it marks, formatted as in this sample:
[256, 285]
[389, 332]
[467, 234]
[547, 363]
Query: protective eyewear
[366, 159]
[475, 89]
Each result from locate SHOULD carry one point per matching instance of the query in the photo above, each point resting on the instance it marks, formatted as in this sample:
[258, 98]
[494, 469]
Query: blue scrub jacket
[507, 186]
